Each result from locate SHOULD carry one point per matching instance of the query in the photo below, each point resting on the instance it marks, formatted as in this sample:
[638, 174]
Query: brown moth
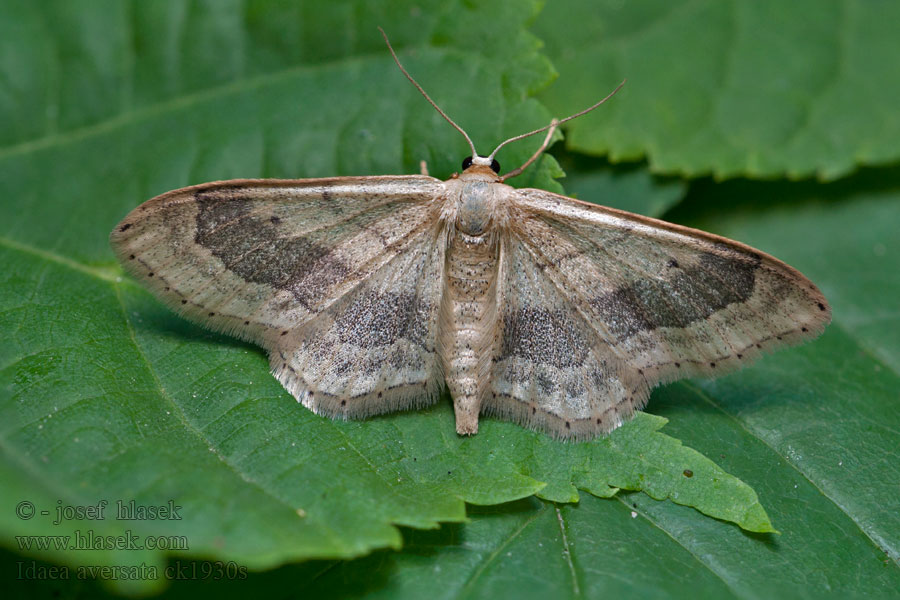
[369, 292]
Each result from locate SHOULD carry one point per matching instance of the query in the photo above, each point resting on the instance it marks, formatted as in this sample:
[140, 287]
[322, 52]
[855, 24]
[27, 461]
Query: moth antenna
[427, 97]
[552, 127]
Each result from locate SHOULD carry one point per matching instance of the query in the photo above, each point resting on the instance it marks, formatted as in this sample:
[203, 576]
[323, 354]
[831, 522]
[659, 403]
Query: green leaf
[629, 187]
[109, 397]
[813, 430]
[761, 89]
[91, 365]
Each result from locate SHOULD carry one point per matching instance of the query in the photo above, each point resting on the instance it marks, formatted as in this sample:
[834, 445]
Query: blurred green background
[772, 123]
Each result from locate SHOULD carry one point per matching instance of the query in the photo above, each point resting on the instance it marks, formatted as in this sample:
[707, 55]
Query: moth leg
[423, 167]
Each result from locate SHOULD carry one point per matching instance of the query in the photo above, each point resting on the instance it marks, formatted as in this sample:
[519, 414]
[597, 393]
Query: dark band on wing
[686, 294]
[226, 227]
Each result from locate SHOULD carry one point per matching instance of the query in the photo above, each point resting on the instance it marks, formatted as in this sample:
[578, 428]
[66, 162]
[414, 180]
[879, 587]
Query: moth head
[481, 160]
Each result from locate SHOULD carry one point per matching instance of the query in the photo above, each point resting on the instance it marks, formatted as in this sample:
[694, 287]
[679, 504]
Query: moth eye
[467, 162]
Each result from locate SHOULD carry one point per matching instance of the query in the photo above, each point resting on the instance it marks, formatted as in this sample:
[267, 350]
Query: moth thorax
[476, 207]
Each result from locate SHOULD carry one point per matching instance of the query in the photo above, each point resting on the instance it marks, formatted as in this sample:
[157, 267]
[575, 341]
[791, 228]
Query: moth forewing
[257, 258]
[713, 302]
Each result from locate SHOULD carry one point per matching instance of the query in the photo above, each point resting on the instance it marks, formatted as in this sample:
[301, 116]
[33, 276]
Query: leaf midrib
[705, 397]
[128, 117]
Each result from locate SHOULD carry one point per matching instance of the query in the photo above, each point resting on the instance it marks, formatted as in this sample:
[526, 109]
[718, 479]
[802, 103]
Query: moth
[370, 292]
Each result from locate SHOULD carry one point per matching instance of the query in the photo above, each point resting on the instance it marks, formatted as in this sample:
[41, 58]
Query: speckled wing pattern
[597, 306]
[339, 279]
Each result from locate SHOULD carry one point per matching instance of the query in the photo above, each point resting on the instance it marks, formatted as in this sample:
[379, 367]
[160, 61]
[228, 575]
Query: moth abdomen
[469, 314]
